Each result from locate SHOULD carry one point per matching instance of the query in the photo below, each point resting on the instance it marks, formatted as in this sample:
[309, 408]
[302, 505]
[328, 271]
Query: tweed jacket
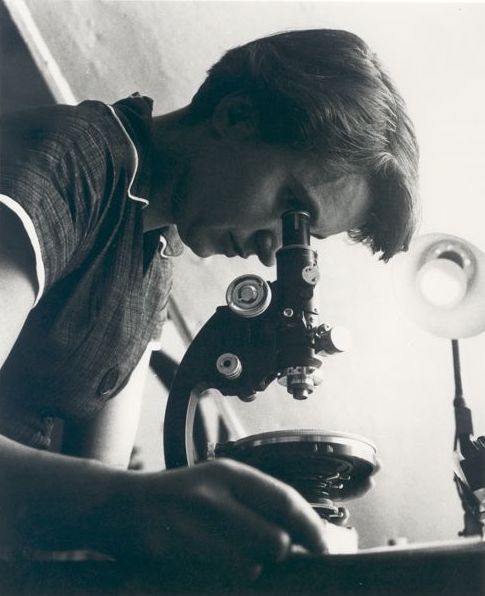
[78, 177]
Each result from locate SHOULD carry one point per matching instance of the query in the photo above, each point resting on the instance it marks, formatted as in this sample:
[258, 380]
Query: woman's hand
[222, 512]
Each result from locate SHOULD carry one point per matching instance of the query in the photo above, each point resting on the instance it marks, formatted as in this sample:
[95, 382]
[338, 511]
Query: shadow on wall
[21, 84]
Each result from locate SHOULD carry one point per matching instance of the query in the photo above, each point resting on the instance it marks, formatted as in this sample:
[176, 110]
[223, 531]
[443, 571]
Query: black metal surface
[450, 571]
[251, 339]
[295, 336]
[296, 228]
[435, 571]
[265, 344]
[318, 465]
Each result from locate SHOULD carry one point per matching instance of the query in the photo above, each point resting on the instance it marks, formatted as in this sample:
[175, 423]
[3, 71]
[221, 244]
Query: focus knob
[332, 340]
[248, 295]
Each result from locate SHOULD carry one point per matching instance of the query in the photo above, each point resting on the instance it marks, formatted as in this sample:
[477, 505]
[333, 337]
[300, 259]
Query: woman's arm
[18, 283]
[222, 511]
[109, 437]
[43, 497]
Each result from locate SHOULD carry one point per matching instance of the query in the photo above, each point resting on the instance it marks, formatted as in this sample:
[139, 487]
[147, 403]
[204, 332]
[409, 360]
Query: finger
[218, 512]
[281, 504]
[199, 540]
[253, 535]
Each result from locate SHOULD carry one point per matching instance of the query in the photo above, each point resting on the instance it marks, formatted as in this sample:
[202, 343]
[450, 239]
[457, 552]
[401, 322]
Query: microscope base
[323, 467]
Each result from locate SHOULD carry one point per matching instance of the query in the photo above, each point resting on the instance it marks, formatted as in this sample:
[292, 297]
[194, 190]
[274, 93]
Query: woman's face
[232, 197]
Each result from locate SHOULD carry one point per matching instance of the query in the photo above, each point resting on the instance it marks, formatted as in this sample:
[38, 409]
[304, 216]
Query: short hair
[324, 90]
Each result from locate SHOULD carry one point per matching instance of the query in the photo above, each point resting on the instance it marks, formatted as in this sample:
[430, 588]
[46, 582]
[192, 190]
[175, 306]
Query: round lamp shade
[440, 285]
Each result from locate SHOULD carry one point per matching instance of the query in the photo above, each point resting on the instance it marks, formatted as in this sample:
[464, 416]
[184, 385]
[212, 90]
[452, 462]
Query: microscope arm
[232, 354]
[267, 331]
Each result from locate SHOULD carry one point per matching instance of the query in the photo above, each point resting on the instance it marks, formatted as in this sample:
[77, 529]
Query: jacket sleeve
[57, 173]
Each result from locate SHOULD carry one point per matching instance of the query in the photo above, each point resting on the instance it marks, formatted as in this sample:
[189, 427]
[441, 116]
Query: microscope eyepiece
[296, 228]
[297, 275]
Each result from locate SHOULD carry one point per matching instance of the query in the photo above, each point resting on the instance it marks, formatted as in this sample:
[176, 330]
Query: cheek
[234, 200]
[235, 189]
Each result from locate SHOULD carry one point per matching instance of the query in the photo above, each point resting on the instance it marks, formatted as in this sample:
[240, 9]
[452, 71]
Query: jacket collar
[134, 115]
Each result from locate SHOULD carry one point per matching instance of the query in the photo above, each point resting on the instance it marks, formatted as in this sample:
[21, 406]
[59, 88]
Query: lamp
[440, 285]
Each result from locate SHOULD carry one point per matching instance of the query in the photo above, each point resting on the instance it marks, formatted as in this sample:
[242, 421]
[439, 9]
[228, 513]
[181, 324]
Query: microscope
[267, 332]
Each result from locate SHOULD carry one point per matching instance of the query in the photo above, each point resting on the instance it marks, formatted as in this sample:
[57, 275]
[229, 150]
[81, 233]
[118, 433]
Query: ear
[236, 117]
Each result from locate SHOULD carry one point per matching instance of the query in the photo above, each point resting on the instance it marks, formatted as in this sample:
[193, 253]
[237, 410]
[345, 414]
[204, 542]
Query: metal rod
[457, 374]
[463, 415]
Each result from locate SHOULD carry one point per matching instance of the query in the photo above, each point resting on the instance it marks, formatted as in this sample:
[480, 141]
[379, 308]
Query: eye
[293, 205]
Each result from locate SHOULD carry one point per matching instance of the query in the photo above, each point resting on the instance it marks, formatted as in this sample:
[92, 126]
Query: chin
[203, 254]
[200, 249]
[202, 245]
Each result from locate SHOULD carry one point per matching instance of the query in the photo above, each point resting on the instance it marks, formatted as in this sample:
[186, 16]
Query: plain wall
[395, 386]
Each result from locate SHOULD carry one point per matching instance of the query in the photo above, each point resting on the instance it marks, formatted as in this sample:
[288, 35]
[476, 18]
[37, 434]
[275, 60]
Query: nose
[266, 243]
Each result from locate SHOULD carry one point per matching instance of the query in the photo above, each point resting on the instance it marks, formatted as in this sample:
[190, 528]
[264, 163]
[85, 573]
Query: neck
[174, 141]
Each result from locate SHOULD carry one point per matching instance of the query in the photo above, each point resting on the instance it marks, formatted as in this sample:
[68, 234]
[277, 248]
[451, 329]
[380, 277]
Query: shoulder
[60, 170]
[62, 153]
[46, 135]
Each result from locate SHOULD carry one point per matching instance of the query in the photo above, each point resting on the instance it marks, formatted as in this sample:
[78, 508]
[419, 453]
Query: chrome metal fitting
[300, 381]
[248, 295]
[311, 274]
[229, 366]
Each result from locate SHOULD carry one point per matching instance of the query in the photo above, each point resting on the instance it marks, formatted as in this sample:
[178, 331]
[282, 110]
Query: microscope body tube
[297, 274]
